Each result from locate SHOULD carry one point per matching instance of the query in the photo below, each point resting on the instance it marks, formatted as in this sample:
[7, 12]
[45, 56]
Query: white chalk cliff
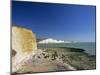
[23, 46]
[50, 40]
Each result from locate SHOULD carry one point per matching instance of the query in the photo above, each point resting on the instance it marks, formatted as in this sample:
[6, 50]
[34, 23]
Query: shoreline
[88, 47]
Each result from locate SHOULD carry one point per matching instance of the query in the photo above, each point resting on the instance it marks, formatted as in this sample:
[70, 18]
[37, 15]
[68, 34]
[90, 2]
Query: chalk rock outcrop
[23, 46]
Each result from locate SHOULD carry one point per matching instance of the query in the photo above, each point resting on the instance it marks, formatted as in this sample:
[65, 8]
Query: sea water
[89, 47]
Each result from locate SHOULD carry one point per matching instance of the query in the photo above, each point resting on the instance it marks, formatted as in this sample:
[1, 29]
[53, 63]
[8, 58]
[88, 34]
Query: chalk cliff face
[23, 46]
[50, 40]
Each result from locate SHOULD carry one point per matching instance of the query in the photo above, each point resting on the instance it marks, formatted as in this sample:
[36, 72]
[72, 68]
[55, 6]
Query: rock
[23, 46]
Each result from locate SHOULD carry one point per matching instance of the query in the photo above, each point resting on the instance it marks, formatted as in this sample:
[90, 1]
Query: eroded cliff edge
[23, 46]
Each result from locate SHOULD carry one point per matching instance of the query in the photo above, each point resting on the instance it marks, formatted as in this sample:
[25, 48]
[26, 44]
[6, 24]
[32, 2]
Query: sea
[89, 47]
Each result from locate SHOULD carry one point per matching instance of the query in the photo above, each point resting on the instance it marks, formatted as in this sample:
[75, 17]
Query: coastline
[76, 57]
[58, 59]
[88, 47]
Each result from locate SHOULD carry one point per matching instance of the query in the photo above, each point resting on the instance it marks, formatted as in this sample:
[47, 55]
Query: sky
[58, 21]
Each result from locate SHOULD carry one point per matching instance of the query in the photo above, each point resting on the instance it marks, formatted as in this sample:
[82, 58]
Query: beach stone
[23, 46]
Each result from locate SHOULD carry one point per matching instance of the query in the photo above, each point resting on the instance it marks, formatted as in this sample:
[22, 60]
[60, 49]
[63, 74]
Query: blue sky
[58, 21]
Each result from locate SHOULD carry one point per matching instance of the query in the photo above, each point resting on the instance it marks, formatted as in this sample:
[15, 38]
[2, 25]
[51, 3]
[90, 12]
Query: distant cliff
[50, 40]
